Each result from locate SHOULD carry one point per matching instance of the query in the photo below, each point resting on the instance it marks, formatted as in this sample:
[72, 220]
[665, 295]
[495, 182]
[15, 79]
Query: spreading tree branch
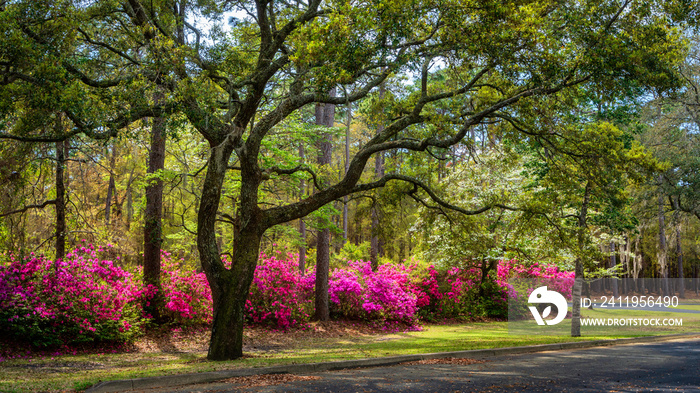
[28, 207]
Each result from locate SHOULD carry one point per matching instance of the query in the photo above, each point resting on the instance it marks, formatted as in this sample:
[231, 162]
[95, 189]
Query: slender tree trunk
[578, 268]
[347, 166]
[302, 224]
[358, 225]
[129, 201]
[376, 249]
[634, 268]
[613, 263]
[129, 208]
[663, 250]
[152, 227]
[643, 289]
[22, 227]
[60, 201]
[587, 289]
[679, 248]
[325, 115]
[626, 257]
[111, 189]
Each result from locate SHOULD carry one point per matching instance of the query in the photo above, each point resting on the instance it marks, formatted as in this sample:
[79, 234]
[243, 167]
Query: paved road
[671, 366]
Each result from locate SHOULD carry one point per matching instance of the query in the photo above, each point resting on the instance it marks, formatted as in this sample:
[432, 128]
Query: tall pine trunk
[325, 115]
[111, 188]
[347, 166]
[679, 248]
[376, 246]
[663, 249]
[60, 200]
[152, 227]
[302, 224]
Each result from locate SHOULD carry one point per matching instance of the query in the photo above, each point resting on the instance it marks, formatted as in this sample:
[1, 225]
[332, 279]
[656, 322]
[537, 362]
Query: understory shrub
[357, 292]
[78, 299]
[279, 295]
[528, 277]
[187, 297]
[459, 293]
[555, 279]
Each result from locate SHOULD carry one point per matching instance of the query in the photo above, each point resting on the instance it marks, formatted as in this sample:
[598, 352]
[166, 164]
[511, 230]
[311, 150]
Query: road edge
[212, 376]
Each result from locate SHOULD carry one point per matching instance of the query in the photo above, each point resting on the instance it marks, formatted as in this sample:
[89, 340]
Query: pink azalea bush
[523, 279]
[187, 296]
[555, 279]
[459, 293]
[357, 292]
[280, 295]
[79, 298]
[88, 298]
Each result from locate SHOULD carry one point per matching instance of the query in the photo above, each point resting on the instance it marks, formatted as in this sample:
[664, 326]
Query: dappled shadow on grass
[195, 339]
[12, 348]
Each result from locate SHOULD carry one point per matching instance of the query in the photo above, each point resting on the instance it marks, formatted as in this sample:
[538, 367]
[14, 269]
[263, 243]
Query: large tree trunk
[229, 304]
[152, 227]
[679, 248]
[578, 269]
[60, 201]
[229, 287]
[325, 115]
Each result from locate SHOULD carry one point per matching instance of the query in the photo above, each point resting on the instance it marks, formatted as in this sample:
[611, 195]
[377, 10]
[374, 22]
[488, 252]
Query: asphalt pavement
[669, 366]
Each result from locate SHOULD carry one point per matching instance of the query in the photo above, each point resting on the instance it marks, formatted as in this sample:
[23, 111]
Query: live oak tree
[101, 63]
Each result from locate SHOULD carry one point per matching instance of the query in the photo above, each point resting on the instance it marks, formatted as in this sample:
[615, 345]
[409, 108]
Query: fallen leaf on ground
[458, 361]
[269, 379]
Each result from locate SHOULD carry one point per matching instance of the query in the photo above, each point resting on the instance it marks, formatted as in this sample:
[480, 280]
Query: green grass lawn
[690, 323]
[75, 372]
[688, 307]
